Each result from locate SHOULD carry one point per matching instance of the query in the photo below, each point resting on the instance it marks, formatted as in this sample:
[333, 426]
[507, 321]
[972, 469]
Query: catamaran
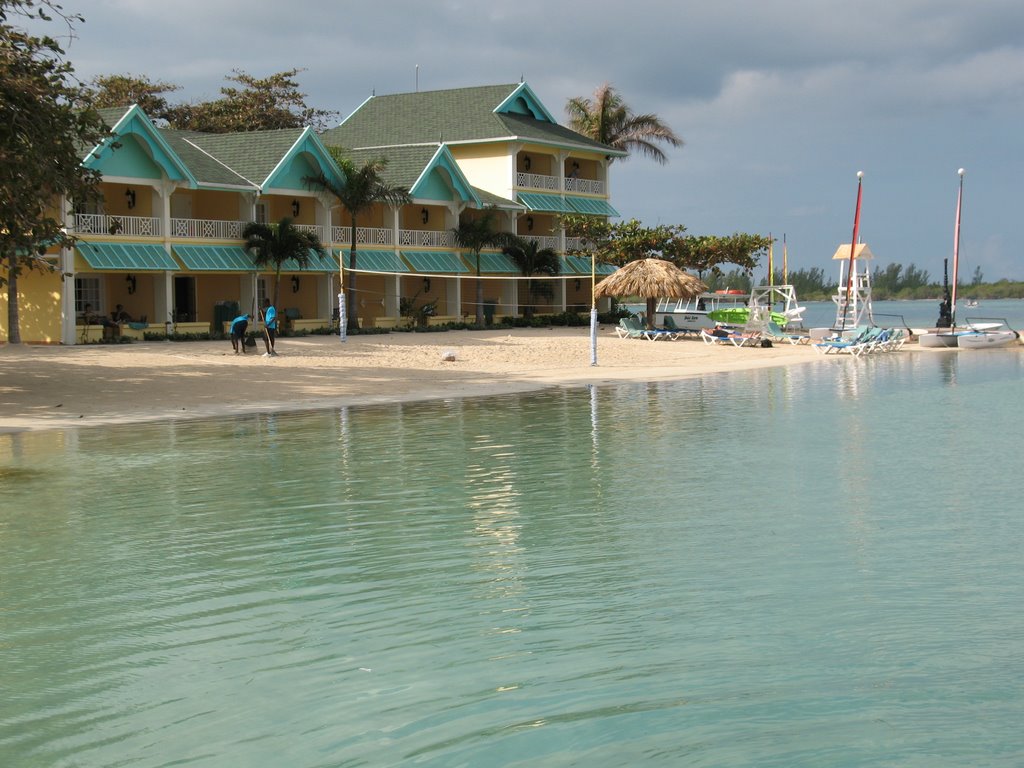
[946, 334]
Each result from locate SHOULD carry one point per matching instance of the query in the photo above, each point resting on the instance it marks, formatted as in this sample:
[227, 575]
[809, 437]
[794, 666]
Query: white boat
[729, 307]
[982, 335]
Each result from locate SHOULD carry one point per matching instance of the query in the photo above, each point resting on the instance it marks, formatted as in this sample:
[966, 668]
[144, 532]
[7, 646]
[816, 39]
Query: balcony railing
[585, 186]
[427, 238]
[313, 229]
[537, 181]
[123, 226]
[364, 236]
[207, 229]
[543, 241]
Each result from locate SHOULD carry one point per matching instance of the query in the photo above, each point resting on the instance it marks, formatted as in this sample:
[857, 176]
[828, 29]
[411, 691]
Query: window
[261, 213]
[87, 291]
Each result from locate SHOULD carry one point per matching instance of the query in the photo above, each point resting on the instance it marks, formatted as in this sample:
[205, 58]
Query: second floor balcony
[550, 184]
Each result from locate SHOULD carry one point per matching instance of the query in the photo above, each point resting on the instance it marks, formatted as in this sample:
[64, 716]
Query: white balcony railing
[585, 186]
[122, 226]
[211, 229]
[427, 238]
[313, 229]
[536, 181]
[364, 236]
[543, 241]
[573, 244]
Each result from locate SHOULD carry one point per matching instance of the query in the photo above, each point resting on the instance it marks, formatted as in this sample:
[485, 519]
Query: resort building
[164, 241]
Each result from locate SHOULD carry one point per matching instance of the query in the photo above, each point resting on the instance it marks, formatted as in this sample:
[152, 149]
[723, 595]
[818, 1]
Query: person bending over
[238, 328]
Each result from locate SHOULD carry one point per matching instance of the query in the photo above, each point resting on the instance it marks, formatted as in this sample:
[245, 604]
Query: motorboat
[725, 307]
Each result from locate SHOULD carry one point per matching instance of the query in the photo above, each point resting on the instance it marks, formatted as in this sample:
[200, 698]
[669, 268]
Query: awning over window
[538, 201]
[317, 263]
[497, 262]
[215, 258]
[128, 257]
[434, 261]
[375, 261]
[581, 265]
[591, 205]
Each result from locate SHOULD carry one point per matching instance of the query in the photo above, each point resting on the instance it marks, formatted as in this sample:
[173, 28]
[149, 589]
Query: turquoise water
[818, 565]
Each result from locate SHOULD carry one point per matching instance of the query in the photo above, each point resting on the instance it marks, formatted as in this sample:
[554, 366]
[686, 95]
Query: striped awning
[375, 261]
[215, 258]
[134, 257]
[497, 262]
[592, 206]
[581, 265]
[539, 201]
[317, 263]
[434, 261]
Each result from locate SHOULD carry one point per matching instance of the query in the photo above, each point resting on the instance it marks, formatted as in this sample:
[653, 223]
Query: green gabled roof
[450, 116]
[208, 170]
[491, 199]
[405, 164]
[254, 155]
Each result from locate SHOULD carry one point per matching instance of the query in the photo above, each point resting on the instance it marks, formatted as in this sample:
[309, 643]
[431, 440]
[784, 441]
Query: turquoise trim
[545, 203]
[523, 101]
[136, 123]
[434, 261]
[443, 164]
[127, 257]
[375, 261]
[308, 142]
[498, 262]
[214, 258]
[592, 206]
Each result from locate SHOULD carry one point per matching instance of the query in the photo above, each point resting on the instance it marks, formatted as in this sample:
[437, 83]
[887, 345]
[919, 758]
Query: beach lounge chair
[773, 332]
[722, 336]
[631, 328]
[670, 325]
[856, 346]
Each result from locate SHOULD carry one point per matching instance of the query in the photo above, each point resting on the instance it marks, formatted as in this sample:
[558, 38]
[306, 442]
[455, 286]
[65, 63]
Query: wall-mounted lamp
[527, 162]
[130, 279]
[529, 223]
[295, 283]
[295, 207]
[426, 285]
[129, 196]
[424, 215]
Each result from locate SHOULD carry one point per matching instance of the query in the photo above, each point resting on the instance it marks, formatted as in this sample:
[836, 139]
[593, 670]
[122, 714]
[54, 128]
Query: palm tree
[608, 119]
[364, 187]
[533, 260]
[476, 234]
[274, 244]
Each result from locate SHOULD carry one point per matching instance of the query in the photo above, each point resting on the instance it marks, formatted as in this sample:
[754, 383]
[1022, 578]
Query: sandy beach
[44, 387]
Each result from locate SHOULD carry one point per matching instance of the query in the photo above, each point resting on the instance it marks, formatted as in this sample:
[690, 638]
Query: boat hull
[939, 340]
[989, 339]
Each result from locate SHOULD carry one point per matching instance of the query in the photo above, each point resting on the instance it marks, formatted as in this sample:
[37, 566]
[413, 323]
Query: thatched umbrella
[650, 279]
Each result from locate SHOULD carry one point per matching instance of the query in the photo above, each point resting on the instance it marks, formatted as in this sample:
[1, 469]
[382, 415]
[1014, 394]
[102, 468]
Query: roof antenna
[417, 78]
[520, 77]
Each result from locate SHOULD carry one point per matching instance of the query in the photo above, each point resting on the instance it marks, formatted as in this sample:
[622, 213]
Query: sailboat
[946, 334]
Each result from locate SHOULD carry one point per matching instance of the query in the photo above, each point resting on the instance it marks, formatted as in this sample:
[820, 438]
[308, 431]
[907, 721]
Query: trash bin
[490, 306]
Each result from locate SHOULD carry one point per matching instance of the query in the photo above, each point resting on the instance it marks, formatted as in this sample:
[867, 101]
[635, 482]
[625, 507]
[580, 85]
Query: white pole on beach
[593, 309]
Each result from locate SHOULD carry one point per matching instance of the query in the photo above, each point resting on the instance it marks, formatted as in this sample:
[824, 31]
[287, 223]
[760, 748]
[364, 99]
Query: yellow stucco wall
[38, 307]
[487, 166]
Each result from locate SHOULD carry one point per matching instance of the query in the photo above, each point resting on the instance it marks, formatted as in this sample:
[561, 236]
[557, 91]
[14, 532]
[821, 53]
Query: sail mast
[853, 246]
[956, 248]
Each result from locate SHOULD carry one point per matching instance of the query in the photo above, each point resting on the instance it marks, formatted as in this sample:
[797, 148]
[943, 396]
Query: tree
[364, 188]
[608, 119]
[125, 90]
[45, 119]
[476, 233]
[257, 105]
[706, 253]
[274, 244]
[533, 260]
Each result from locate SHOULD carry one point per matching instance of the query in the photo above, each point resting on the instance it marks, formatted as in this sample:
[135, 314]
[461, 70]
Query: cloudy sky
[780, 102]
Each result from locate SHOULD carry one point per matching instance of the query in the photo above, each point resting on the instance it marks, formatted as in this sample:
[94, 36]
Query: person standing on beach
[269, 327]
[238, 328]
